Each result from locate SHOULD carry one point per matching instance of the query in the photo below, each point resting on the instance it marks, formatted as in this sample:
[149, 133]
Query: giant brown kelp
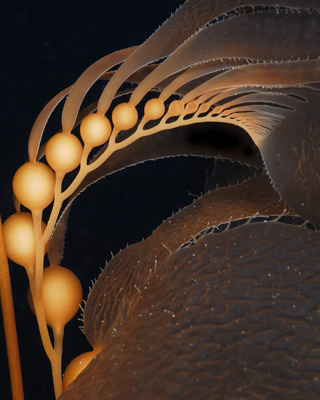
[269, 91]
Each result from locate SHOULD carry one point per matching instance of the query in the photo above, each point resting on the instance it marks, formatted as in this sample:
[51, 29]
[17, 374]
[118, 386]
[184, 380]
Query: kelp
[201, 140]
[301, 157]
[117, 285]
[233, 314]
[221, 301]
[216, 303]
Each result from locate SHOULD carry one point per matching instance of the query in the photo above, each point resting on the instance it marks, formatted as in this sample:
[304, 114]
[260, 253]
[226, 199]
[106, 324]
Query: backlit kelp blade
[236, 75]
[205, 140]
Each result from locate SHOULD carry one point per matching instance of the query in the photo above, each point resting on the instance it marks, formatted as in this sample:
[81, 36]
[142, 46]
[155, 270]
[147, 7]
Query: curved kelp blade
[233, 315]
[134, 266]
[189, 20]
[294, 26]
[253, 38]
[291, 153]
[198, 140]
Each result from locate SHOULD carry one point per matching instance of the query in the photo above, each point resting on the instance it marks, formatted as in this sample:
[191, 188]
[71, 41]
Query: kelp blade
[234, 315]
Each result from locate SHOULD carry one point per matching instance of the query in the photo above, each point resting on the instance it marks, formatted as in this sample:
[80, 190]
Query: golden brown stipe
[9, 324]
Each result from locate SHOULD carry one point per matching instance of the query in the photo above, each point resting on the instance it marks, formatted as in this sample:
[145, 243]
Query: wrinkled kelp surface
[233, 316]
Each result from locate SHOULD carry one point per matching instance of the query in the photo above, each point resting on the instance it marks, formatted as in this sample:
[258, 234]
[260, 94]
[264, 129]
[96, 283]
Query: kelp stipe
[202, 77]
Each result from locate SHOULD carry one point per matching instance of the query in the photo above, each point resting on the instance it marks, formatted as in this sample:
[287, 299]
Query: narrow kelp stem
[54, 357]
[58, 333]
[113, 146]
[39, 254]
[58, 200]
[9, 324]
